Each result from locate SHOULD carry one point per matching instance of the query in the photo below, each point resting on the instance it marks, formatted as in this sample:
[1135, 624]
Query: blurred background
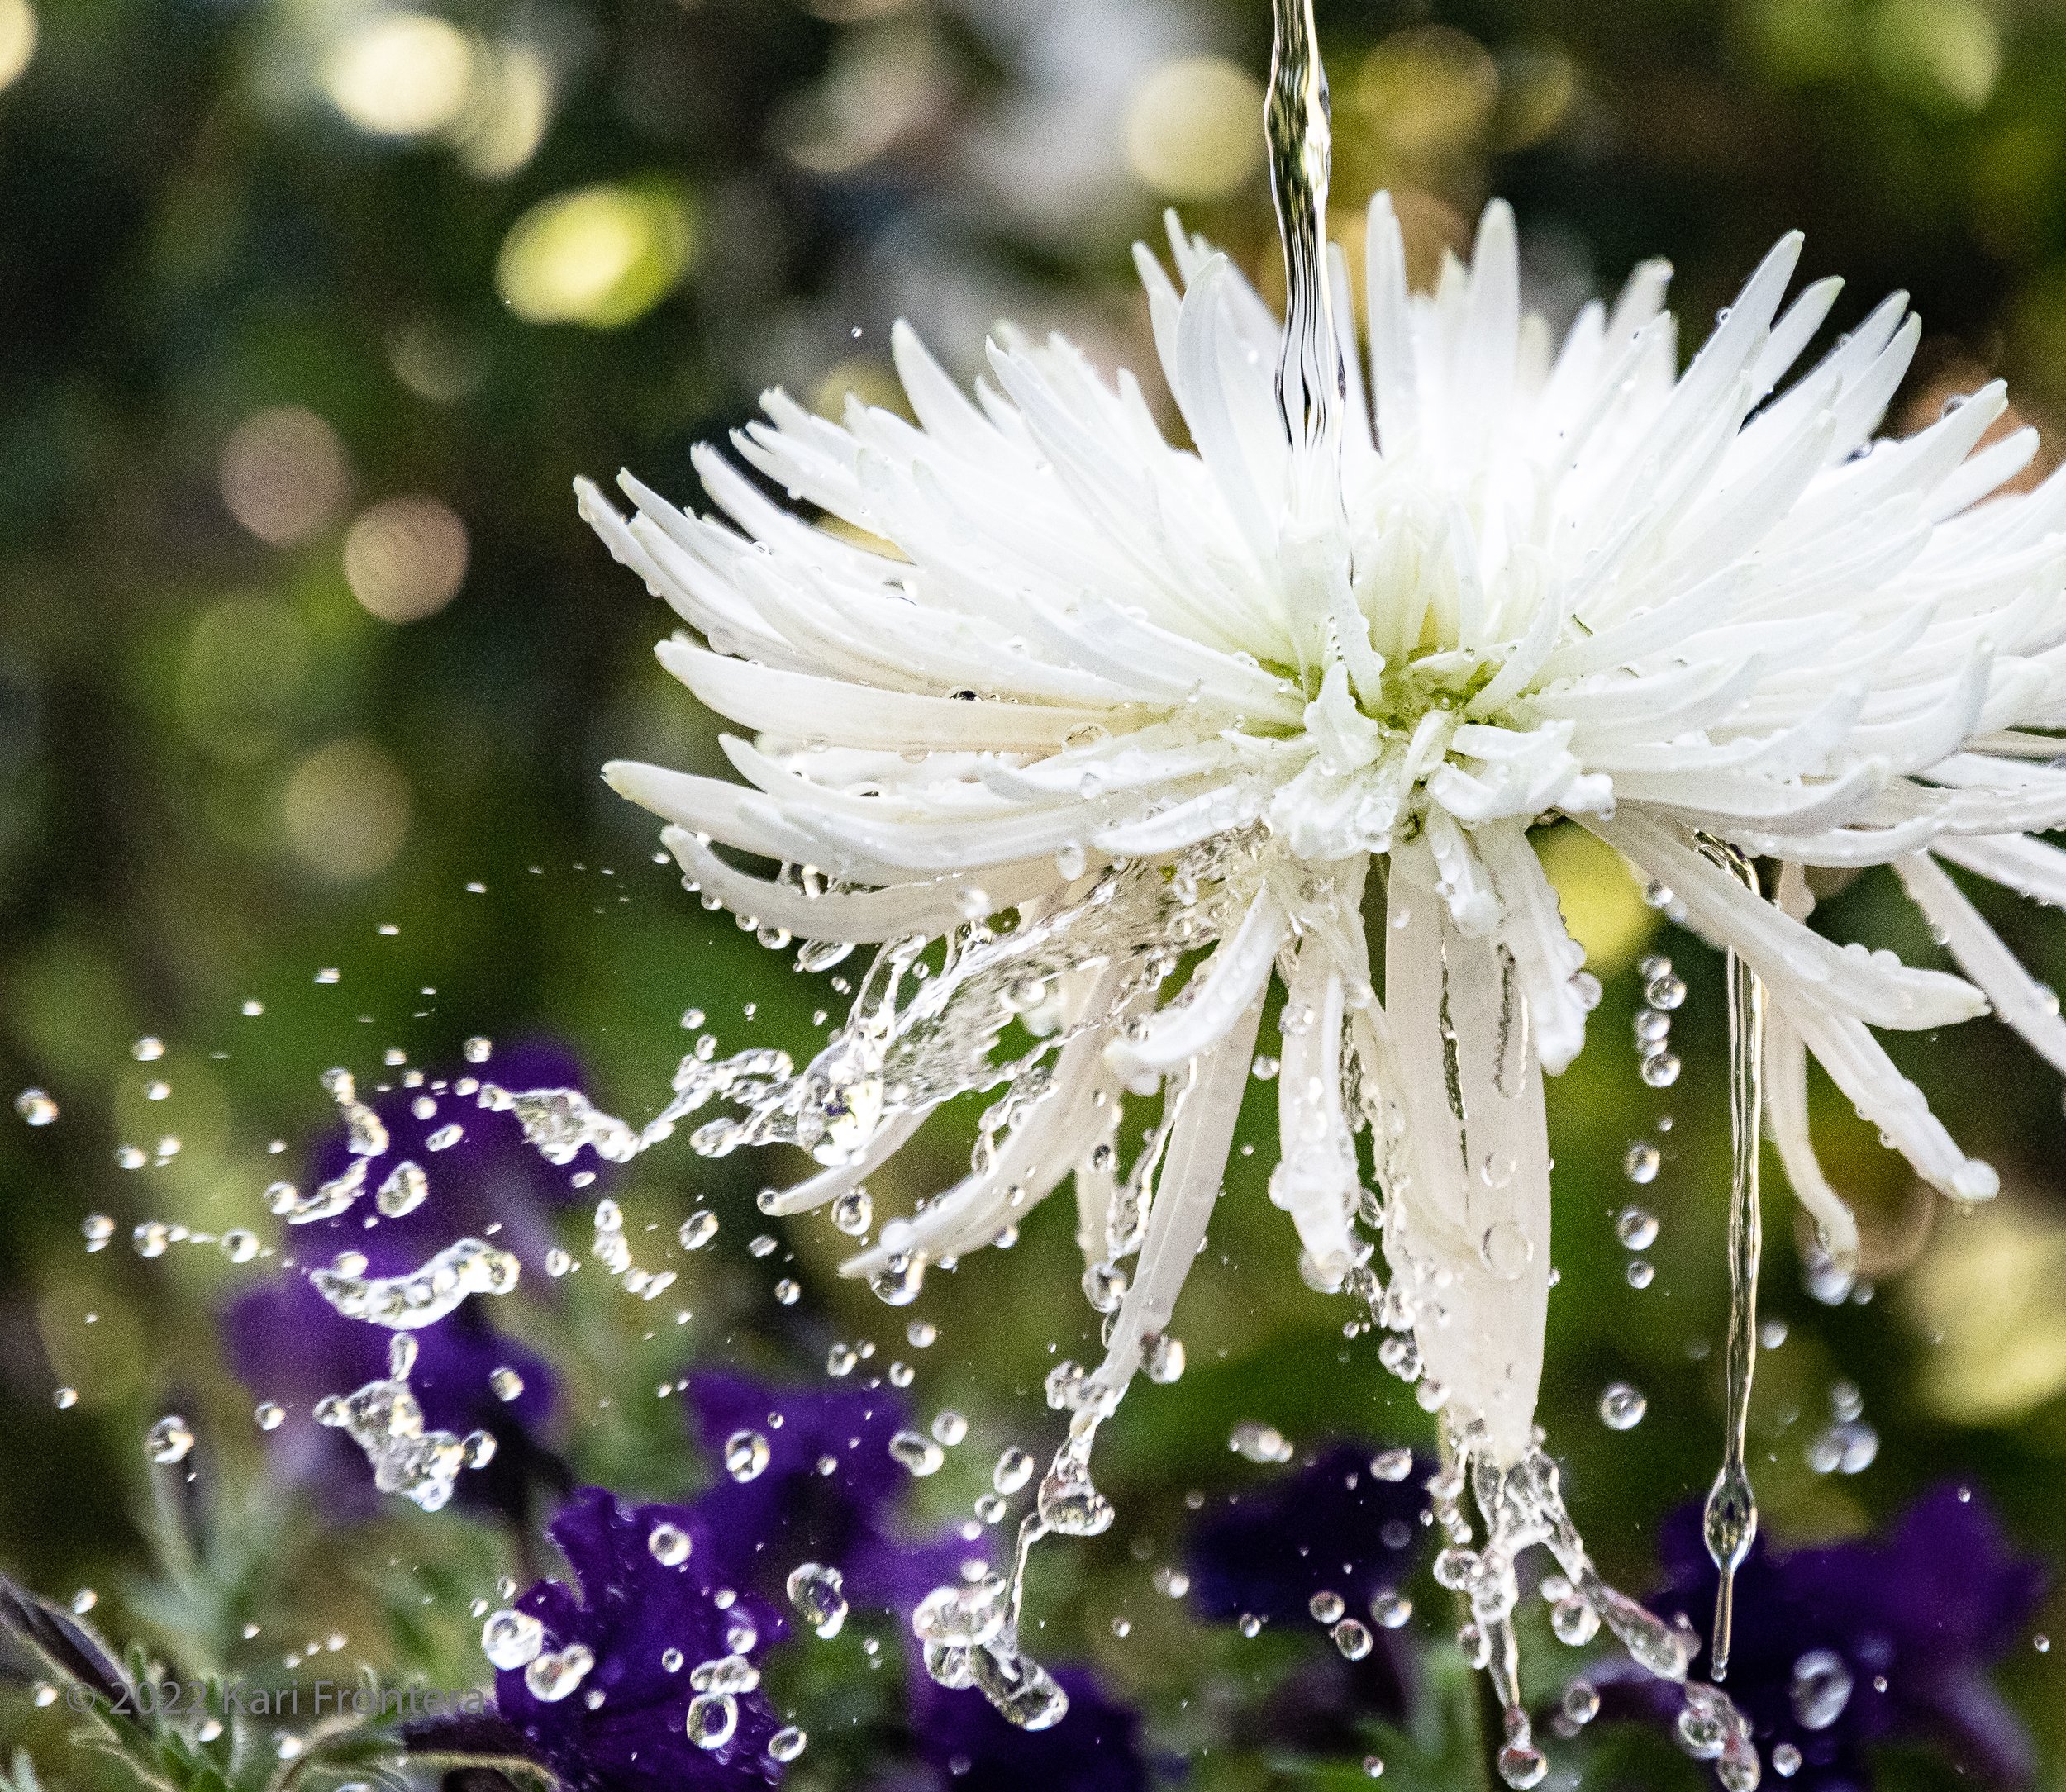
[310, 312]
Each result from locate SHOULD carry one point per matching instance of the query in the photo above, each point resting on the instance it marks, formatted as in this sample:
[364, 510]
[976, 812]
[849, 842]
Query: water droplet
[404, 1190]
[1326, 1608]
[1163, 1357]
[669, 1544]
[918, 1452]
[1786, 1760]
[818, 1594]
[65, 1398]
[268, 1416]
[1505, 1250]
[1636, 1229]
[1662, 1070]
[1393, 1465]
[84, 1600]
[698, 1229]
[1391, 1609]
[1574, 1621]
[1251, 1625]
[787, 1743]
[1373, 1766]
[1254, 1443]
[1821, 1689]
[1014, 1469]
[1265, 1067]
[1622, 1407]
[1642, 1163]
[853, 1213]
[745, 1455]
[36, 1107]
[98, 1229]
[1522, 1765]
[949, 1428]
[551, 1676]
[511, 1640]
[240, 1245]
[1665, 991]
[147, 1050]
[1352, 1638]
[1581, 1703]
[840, 1359]
[1848, 1448]
[505, 1382]
[169, 1439]
[479, 1048]
[1638, 1272]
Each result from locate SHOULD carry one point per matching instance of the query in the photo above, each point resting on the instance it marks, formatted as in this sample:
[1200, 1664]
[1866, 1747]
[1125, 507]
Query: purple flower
[485, 1175]
[1839, 1647]
[290, 1346]
[1095, 1748]
[1335, 1527]
[794, 1509]
[648, 1625]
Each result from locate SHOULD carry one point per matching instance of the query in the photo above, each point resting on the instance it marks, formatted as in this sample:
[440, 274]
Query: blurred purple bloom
[289, 1345]
[1332, 1526]
[636, 1616]
[794, 1511]
[1858, 1643]
[487, 1175]
[1095, 1748]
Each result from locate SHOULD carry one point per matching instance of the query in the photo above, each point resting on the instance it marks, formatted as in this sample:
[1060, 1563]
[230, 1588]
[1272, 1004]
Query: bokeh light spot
[1603, 906]
[17, 39]
[403, 74]
[1938, 50]
[1987, 1290]
[1194, 128]
[600, 255]
[345, 809]
[1429, 91]
[405, 558]
[512, 106]
[283, 473]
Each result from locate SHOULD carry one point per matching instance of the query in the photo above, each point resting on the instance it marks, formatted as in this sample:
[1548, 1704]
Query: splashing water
[425, 1295]
[384, 1419]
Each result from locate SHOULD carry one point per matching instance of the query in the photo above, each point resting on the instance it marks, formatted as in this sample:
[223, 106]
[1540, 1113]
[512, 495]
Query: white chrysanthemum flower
[1152, 699]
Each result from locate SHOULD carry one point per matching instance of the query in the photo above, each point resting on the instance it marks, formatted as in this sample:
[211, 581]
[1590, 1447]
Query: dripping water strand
[1731, 1522]
[1311, 379]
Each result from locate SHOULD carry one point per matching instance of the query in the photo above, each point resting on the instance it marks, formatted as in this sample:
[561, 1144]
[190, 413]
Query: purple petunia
[649, 1625]
[1839, 1647]
[1336, 1526]
[291, 1347]
[805, 1474]
[795, 1508]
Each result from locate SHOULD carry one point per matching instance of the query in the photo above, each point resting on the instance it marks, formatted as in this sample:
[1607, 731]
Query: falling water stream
[1730, 1523]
